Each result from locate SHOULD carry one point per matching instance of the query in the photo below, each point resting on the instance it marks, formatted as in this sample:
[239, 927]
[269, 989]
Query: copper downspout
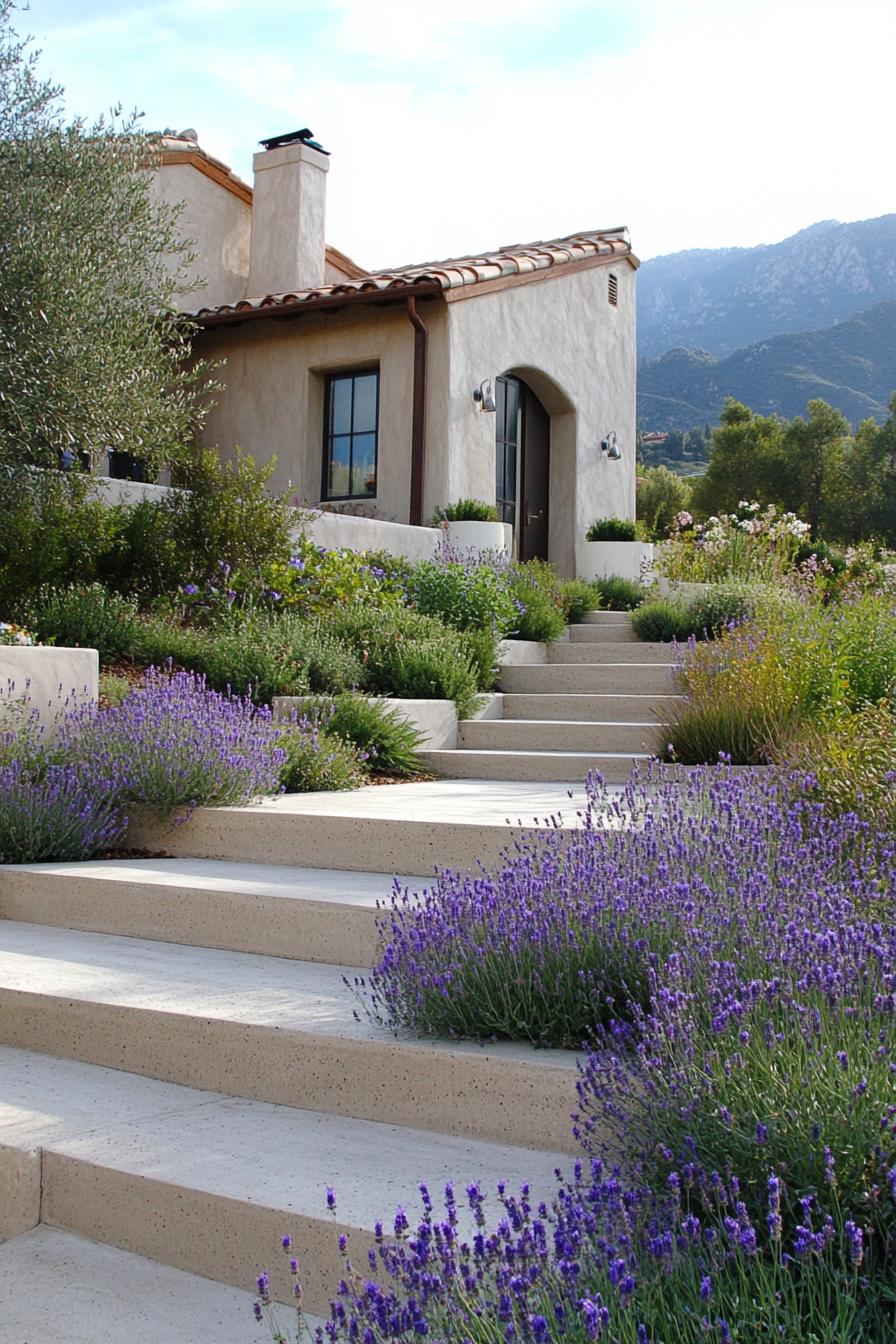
[418, 415]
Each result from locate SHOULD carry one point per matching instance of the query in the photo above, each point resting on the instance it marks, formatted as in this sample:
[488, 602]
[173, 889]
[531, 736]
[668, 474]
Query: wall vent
[613, 291]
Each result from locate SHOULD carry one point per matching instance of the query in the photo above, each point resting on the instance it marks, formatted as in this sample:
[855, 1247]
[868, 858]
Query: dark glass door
[522, 466]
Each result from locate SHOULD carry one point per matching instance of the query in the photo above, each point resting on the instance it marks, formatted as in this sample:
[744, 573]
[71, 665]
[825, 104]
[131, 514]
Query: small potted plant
[614, 546]
[471, 523]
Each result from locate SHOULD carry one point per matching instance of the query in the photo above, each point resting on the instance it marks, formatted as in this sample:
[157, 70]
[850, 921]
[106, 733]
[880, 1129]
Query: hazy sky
[459, 126]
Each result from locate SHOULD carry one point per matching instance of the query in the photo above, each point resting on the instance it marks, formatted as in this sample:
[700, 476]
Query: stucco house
[504, 377]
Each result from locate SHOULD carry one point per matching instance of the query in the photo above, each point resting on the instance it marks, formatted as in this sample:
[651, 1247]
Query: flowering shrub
[50, 811]
[173, 745]
[316, 760]
[88, 616]
[464, 592]
[750, 544]
[603, 1260]
[15, 634]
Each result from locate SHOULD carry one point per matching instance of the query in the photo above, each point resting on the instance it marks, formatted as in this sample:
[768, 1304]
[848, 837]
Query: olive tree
[92, 355]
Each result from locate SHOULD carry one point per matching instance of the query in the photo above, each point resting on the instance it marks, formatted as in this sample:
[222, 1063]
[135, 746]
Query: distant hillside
[851, 365]
[720, 300]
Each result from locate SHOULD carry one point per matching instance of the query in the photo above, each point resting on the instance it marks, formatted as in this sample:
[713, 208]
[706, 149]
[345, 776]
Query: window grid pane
[350, 436]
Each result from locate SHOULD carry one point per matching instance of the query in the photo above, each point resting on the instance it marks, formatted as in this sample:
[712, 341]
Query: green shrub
[321, 660]
[619, 594]
[428, 671]
[388, 741]
[725, 604]
[612, 529]
[466, 511]
[662, 496]
[52, 533]
[481, 648]
[469, 597]
[113, 690]
[540, 617]
[579, 597]
[246, 658]
[663, 620]
[853, 762]
[317, 761]
[86, 617]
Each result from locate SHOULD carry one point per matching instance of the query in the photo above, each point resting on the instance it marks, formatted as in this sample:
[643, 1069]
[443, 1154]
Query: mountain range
[720, 300]
[773, 326]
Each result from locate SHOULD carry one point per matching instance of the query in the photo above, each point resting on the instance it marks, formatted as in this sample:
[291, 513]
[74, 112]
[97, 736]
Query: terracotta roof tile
[452, 273]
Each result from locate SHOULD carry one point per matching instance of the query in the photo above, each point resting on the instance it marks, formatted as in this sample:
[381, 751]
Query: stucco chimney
[288, 209]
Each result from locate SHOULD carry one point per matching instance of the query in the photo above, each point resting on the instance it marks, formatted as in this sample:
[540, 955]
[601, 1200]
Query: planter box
[479, 536]
[435, 720]
[49, 681]
[601, 559]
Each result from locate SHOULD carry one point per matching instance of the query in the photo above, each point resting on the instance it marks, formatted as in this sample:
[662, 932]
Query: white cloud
[699, 123]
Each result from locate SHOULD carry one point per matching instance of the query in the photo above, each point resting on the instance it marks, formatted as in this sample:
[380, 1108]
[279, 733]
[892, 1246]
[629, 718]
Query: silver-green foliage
[91, 356]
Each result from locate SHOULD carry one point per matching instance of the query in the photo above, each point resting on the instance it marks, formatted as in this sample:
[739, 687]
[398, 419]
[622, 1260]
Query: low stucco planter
[478, 536]
[49, 681]
[604, 559]
[512, 652]
[435, 720]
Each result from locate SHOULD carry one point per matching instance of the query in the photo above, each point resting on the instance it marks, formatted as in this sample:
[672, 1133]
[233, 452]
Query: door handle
[534, 517]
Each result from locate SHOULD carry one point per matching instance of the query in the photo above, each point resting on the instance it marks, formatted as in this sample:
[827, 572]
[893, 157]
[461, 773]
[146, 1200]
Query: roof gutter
[418, 415]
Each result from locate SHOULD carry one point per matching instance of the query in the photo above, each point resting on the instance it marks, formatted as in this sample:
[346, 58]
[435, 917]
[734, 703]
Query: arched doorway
[523, 465]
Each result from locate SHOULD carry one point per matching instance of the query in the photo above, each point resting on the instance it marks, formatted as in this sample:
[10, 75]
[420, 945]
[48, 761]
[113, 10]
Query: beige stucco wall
[578, 354]
[562, 336]
[218, 223]
[272, 402]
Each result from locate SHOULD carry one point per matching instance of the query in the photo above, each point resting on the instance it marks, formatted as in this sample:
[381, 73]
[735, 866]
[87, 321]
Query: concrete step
[63, 1288]
[270, 1029]
[402, 828]
[616, 767]
[209, 1184]
[606, 708]
[617, 633]
[578, 679]
[312, 914]
[607, 618]
[558, 735]
[607, 652]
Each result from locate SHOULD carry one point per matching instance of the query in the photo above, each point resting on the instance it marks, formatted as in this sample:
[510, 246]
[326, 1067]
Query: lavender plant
[173, 745]
[603, 1260]
[50, 811]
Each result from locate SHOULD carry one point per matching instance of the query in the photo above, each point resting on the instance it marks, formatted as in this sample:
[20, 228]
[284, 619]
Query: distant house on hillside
[494, 377]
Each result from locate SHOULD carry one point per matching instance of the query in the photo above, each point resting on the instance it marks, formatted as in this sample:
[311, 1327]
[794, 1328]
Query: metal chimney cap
[302, 137]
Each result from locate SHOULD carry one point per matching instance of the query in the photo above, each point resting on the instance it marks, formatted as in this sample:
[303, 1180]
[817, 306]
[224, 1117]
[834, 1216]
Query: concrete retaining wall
[46, 680]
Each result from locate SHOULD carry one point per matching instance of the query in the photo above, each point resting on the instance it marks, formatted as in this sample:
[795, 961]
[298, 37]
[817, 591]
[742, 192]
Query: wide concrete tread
[270, 1029]
[313, 914]
[620, 632]
[590, 678]
[60, 1287]
[579, 651]
[209, 1183]
[559, 735]
[405, 828]
[606, 618]
[588, 707]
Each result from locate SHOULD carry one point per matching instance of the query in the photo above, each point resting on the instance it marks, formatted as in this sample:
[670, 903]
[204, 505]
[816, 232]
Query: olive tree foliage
[91, 354]
[661, 495]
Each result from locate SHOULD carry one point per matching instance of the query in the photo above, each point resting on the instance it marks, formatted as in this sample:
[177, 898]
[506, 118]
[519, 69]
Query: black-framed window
[351, 419]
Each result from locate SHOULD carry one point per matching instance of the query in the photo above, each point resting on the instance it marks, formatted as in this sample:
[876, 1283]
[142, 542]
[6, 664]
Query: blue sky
[457, 127]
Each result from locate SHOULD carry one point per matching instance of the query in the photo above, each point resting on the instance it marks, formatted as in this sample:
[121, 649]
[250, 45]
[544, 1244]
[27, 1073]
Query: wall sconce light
[611, 447]
[483, 396]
